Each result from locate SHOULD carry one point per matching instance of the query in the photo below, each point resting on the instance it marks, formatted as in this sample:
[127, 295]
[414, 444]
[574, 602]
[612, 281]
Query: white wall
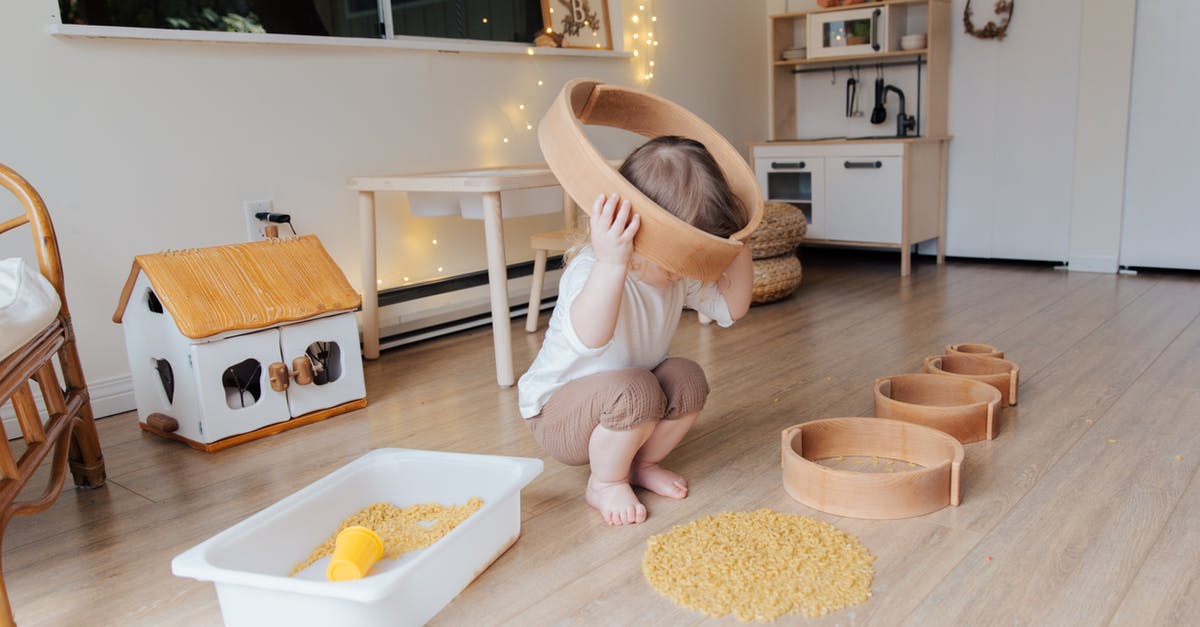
[140, 146]
[1106, 59]
[1161, 218]
[1012, 117]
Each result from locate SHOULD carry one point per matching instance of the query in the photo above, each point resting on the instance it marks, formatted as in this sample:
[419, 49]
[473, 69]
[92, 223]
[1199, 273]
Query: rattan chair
[69, 431]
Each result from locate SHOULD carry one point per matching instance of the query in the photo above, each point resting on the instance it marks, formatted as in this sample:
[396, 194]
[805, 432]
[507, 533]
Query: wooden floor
[1080, 512]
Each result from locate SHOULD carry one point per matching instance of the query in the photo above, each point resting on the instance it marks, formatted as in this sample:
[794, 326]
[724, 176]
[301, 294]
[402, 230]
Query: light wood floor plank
[1068, 550]
[1166, 590]
[1068, 518]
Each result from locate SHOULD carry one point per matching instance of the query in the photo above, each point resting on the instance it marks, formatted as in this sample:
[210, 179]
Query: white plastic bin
[249, 562]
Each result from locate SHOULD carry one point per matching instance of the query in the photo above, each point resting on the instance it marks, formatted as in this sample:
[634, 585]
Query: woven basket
[781, 229]
[775, 278]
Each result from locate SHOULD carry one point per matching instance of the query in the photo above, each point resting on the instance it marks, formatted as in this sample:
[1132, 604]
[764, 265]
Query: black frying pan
[879, 113]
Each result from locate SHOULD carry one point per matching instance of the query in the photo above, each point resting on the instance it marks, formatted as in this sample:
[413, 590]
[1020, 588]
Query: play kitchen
[858, 121]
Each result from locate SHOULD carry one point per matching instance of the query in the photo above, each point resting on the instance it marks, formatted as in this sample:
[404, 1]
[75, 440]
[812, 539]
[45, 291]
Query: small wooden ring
[998, 373]
[865, 494]
[975, 348]
[961, 407]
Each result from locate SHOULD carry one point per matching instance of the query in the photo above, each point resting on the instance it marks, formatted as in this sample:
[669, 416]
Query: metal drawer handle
[787, 165]
[875, 29]
[873, 165]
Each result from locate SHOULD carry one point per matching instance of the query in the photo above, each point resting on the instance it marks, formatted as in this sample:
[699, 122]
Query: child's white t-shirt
[645, 325]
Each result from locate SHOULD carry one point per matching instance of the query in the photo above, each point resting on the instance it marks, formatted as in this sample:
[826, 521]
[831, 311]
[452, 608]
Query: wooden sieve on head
[662, 238]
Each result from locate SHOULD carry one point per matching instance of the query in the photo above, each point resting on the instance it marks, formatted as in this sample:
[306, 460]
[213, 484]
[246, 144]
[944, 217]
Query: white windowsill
[429, 44]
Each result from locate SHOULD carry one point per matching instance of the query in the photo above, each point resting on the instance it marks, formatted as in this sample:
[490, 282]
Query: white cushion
[28, 303]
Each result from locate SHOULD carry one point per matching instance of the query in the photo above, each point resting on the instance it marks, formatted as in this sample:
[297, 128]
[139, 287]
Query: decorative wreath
[1003, 10]
[662, 238]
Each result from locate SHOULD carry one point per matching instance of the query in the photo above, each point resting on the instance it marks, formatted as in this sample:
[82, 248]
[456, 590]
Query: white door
[1161, 221]
[863, 199]
[233, 385]
[330, 345]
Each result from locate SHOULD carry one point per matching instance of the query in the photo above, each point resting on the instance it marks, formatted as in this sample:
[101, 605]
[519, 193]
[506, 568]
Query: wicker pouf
[775, 278]
[781, 229]
[773, 246]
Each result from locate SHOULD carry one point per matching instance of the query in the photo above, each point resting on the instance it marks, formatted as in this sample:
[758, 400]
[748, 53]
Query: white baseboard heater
[413, 313]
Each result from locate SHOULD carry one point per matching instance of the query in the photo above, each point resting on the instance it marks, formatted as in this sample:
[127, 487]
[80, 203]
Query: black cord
[243, 388]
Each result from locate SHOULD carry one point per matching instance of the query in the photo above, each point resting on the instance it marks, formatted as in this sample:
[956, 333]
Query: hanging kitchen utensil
[879, 113]
[851, 95]
[855, 110]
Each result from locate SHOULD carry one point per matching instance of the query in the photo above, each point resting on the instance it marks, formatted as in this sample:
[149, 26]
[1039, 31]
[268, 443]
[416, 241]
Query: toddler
[602, 390]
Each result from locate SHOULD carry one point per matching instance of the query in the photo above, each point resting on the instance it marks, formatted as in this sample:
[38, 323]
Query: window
[489, 20]
[494, 20]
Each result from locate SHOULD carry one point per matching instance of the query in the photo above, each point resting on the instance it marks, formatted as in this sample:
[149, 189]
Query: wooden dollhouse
[232, 343]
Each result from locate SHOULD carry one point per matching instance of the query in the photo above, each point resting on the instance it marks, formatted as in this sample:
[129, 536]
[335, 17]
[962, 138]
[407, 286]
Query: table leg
[941, 243]
[498, 287]
[370, 284]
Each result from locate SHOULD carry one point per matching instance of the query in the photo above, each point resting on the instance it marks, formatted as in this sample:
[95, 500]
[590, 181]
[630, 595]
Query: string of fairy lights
[644, 43]
[640, 40]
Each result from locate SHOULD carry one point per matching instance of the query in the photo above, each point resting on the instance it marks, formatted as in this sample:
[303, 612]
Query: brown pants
[619, 400]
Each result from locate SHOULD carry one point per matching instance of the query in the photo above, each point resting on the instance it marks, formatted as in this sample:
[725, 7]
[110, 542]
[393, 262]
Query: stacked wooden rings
[923, 419]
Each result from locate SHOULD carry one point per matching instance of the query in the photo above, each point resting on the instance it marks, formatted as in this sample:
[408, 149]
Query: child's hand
[613, 225]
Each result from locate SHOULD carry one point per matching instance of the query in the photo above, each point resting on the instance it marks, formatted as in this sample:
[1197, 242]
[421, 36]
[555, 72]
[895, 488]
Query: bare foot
[659, 480]
[615, 501]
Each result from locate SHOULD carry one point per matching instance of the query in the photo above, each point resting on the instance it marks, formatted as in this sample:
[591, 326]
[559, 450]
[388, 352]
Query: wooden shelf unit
[853, 59]
[874, 192]
[786, 31]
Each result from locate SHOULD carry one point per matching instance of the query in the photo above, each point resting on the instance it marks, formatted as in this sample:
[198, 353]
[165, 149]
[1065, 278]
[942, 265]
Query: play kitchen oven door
[795, 180]
[849, 32]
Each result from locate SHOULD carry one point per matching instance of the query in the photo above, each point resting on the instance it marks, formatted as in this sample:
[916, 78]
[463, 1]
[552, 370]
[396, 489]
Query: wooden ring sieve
[975, 348]
[867, 494]
[961, 407]
[998, 373]
[662, 238]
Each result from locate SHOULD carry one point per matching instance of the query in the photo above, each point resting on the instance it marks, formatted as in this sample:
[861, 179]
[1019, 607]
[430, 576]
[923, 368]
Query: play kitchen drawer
[876, 194]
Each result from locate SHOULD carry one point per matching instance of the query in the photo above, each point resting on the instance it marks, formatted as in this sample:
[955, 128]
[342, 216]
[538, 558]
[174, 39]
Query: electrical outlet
[254, 226]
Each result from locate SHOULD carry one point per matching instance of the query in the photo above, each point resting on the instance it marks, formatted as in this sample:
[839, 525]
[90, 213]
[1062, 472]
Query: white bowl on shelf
[794, 53]
[913, 42]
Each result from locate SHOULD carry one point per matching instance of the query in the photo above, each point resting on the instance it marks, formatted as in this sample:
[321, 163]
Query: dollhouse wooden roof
[243, 286]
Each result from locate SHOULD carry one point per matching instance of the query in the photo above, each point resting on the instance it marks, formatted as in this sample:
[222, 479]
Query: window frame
[56, 27]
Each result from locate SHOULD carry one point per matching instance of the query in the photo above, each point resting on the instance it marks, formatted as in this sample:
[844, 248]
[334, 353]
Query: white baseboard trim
[1093, 263]
[113, 395]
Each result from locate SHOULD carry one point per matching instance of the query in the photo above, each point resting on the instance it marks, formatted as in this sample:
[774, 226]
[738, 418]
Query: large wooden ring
[663, 238]
[975, 348]
[961, 407]
[871, 495]
[998, 373]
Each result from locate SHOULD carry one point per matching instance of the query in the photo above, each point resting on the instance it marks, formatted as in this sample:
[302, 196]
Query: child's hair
[682, 177]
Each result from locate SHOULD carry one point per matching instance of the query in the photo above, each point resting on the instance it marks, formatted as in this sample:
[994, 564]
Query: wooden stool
[542, 244]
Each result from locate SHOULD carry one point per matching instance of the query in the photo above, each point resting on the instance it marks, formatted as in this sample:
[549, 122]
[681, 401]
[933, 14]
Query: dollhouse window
[243, 384]
[153, 303]
[166, 376]
[326, 358]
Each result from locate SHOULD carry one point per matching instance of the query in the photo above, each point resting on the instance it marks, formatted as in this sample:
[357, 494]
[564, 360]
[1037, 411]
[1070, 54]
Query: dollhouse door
[330, 345]
[234, 390]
